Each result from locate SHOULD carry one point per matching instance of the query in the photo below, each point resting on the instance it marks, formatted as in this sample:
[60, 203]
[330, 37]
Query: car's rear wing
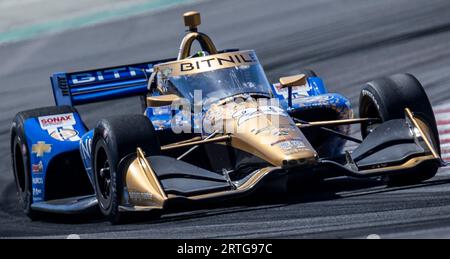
[102, 84]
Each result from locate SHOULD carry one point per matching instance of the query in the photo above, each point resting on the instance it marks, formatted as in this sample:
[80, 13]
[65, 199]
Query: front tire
[386, 99]
[115, 138]
[22, 176]
[20, 155]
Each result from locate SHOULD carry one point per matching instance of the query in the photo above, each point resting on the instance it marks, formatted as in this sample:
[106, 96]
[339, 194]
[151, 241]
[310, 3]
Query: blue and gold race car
[212, 127]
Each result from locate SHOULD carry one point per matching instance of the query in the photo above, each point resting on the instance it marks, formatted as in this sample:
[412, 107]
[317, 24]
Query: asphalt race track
[347, 42]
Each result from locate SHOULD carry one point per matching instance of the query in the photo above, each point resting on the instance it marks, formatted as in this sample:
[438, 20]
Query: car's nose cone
[264, 130]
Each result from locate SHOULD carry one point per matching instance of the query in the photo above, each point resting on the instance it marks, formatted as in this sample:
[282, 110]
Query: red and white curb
[442, 113]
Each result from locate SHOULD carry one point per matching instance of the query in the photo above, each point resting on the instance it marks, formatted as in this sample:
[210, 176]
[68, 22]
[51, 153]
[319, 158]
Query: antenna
[192, 20]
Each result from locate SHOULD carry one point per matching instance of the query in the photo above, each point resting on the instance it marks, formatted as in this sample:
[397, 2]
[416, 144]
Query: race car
[212, 127]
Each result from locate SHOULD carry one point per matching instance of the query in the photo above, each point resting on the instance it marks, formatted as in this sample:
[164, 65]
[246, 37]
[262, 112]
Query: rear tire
[386, 99]
[115, 138]
[308, 73]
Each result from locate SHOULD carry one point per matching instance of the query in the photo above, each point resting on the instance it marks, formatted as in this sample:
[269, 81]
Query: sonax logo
[54, 121]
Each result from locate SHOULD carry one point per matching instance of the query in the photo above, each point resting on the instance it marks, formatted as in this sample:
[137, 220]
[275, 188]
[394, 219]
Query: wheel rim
[105, 180]
[103, 175]
[370, 111]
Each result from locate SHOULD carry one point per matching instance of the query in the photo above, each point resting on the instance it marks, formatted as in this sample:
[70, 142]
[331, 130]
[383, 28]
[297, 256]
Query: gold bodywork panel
[413, 162]
[426, 134]
[204, 64]
[290, 81]
[260, 129]
[143, 186]
[263, 130]
[162, 100]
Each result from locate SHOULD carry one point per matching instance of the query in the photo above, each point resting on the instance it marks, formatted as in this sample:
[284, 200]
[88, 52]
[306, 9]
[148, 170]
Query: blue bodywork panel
[102, 84]
[314, 87]
[85, 151]
[312, 95]
[46, 141]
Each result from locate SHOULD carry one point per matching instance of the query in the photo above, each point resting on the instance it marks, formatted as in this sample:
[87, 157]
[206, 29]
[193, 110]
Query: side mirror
[162, 100]
[290, 81]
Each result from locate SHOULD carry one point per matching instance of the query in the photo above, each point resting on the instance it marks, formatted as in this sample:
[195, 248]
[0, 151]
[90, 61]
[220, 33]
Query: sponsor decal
[63, 134]
[54, 121]
[37, 168]
[292, 146]
[275, 131]
[86, 148]
[140, 196]
[250, 113]
[297, 91]
[38, 180]
[37, 191]
[218, 62]
[40, 148]
[280, 132]
[208, 63]
[267, 130]
[111, 74]
[319, 100]
[289, 139]
[371, 96]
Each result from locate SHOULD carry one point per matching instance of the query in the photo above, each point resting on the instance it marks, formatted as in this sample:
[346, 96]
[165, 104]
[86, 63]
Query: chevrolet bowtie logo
[40, 148]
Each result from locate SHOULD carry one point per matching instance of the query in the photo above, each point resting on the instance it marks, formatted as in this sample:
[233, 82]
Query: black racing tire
[20, 156]
[386, 98]
[308, 73]
[22, 176]
[115, 138]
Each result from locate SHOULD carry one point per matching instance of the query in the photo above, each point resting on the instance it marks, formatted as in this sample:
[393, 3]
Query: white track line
[444, 130]
[441, 107]
[444, 136]
[442, 110]
[442, 116]
[446, 146]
